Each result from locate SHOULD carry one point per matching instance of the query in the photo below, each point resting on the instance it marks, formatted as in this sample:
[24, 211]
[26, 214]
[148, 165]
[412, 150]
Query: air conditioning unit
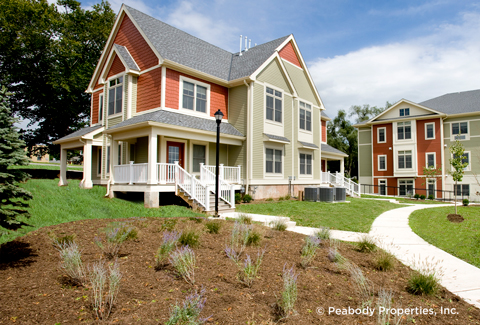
[311, 193]
[326, 194]
[340, 193]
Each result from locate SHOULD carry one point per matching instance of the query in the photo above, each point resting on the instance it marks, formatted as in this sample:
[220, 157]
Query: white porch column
[342, 166]
[152, 157]
[113, 159]
[87, 165]
[63, 167]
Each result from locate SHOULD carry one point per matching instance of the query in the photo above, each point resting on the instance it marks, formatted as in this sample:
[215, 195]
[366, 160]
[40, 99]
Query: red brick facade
[218, 94]
[149, 90]
[288, 53]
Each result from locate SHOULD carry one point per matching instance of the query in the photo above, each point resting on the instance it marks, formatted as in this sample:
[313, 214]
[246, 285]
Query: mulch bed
[455, 218]
[33, 290]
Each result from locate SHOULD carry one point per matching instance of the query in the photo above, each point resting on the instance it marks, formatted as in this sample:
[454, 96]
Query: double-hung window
[100, 108]
[382, 137]
[199, 154]
[115, 91]
[274, 105]
[460, 130]
[431, 188]
[430, 160]
[405, 159]
[404, 111]
[305, 164]
[462, 190]
[429, 131]
[305, 116]
[382, 162]
[404, 130]
[465, 159]
[194, 97]
[273, 161]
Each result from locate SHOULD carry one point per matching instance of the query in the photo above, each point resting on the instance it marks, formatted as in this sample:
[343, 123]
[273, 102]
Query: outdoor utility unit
[311, 193]
[340, 193]
[327, 194]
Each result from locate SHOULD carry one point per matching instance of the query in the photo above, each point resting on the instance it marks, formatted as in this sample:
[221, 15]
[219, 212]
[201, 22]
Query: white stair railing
[231, 174]
[193, 187]
[226, 190]
[339, 179]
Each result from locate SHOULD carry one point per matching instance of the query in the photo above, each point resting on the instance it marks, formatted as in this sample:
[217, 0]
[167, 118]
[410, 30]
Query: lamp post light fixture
[218, 118]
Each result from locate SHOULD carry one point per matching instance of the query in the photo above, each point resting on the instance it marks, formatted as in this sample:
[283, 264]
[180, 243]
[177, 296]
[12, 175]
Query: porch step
[222, 205]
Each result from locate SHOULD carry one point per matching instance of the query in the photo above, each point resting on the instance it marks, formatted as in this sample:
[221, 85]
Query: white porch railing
[230, 174]
[166, 173]
[131, 173]
[352, 188]
[226, 190]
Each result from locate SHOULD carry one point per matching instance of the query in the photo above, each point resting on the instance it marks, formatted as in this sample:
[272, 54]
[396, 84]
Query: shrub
[281, 198]
[238, 198]
[422, 197]
[189, 312]
[288, 197]
[384, 261]
[425, 281]
[238, 240]
[247, 198]
[116, 233]
[309, 250]
[431, 197]
[196, 219]
[269, 199]
[183, 260]
[322, 233]
[253, 238]
[289, 294]
[169, 224]
[189, 238]
[249, 270]
[245, 219]
[465, 202]
[71, 261]
[169, 242]
[67, 239]
[416, 196]
[366, 244]
[279, 224]
[103, 299]
[363, 286]
[213, 227]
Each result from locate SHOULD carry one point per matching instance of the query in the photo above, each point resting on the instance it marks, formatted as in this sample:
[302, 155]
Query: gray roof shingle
[178, 46]
[308, 144]
[127, 58]
[81, 132]
[179, 119]
[455, 103]
[327, 148]
[324, 114]
[276, 137]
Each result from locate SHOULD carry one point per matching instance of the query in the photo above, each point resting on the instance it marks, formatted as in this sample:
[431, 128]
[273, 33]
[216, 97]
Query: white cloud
[446, 61]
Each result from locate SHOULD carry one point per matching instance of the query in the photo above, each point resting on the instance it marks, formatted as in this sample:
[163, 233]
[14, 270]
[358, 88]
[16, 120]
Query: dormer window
[115, 91]
[404, 111]
[194, 95]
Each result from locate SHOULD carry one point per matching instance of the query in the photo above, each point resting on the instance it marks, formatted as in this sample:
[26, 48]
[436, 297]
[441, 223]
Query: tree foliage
[12, 152]
[48, 54]
[457, 150]
[366, 112]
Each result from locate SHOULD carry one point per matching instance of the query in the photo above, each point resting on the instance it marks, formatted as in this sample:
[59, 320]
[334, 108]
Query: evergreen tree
[12, 152]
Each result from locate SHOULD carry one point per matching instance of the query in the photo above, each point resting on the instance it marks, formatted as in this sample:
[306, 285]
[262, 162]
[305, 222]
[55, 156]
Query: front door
[176, 152]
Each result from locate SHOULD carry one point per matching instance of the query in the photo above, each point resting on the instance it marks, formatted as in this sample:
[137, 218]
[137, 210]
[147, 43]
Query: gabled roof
[126, 57]
[456, 103]
[79, 133]
[183, 120]
[180, 47]
[329, 149]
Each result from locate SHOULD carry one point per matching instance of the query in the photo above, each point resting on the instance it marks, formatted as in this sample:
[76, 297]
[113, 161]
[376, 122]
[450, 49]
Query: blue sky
[358, 52]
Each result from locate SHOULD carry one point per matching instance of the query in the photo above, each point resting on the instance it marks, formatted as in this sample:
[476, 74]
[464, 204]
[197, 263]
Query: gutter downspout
[247, 148]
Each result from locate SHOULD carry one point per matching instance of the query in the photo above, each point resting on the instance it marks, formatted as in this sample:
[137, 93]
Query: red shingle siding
[424, 146]
[149, 90]
[116, 68]
[383, 149]
[324, 131]
[218, 94]
[288, 53]
[95, 103]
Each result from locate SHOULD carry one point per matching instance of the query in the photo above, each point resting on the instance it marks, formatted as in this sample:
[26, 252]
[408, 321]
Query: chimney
[240, 53]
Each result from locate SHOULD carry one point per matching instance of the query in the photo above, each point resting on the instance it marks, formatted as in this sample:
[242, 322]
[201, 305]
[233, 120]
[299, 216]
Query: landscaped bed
[459, 239]
[404, 199]
[358, 215]
[34, 290]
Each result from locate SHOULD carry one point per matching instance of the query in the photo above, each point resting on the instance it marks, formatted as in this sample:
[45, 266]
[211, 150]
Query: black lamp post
[218, 118]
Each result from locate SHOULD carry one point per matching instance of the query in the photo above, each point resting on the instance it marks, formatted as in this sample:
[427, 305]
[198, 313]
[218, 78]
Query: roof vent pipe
[249, 43]
[246, 48]
[240, 53]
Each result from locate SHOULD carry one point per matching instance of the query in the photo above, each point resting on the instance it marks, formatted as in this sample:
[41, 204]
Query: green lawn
[459, 239]
[52, 205]
[48, 166]
[403, 200]
[355, 216]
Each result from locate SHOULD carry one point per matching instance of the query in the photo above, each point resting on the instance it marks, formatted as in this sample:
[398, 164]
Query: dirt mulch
[455, 218]
[33, 290]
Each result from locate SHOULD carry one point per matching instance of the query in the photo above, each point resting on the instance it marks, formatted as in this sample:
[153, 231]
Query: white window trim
[412, 134]
[469, 167]
[274, 147]
[434, 159]
[305, 176]
[467, 135]
[406, 180]
[265, 105]
[405, 169]
[386, 185]
[190, 160]
[180, 100]
[107, 94]
[384, 132]
[426, 134]
[434, 187]
[400, 109]
[378, 163]
[311, 115]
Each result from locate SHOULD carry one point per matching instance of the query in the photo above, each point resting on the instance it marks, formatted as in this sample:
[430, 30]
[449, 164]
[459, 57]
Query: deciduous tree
[457, 150]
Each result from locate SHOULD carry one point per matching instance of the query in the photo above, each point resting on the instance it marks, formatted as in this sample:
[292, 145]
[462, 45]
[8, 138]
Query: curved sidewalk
[396, 236]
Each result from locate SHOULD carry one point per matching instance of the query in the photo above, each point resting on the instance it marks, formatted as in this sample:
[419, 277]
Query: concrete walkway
[391, 228]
